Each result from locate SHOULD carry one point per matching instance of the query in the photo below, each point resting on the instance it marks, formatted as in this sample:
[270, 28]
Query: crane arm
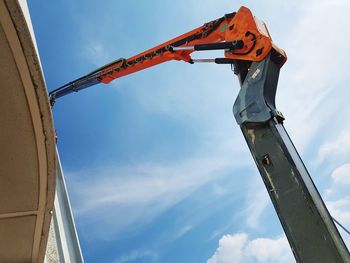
[242, 36]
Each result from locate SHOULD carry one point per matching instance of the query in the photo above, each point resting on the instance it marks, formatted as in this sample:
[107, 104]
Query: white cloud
[230, 250]
[340, 181]
[238, 249]
[336, 148]
[342, 174]
[269, 250]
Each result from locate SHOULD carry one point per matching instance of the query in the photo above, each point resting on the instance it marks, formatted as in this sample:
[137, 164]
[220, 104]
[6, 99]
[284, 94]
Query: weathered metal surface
[305, 219]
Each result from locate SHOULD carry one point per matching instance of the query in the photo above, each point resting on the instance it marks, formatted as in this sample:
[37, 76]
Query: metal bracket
[256, 99]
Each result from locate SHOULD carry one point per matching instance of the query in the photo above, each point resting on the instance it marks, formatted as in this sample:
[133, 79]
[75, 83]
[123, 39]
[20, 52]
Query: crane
[242, 36]
[256, 60]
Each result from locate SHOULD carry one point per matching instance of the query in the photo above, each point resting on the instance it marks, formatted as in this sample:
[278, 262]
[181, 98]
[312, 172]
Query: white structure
[64, 236]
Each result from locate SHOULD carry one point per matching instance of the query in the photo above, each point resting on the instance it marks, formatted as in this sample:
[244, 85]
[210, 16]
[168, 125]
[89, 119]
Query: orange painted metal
[241, 26]
[255, 35]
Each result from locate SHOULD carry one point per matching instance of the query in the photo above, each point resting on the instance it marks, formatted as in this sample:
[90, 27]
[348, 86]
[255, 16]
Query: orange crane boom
[242, 36]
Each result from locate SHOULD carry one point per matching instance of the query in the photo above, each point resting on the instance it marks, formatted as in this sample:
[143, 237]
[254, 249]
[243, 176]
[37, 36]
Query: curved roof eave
[27, 139]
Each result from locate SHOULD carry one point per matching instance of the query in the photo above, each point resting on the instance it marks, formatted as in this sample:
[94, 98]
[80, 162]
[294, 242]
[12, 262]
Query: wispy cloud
[238, 248]
[257, 200]
[183, 230]
[341, 175]
[339, 183]
[136, 256]
[315, 69]
[97, 53]
[337, 148]
[125, 198]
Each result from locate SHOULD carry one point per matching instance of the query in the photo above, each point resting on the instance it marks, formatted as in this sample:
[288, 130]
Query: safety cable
[339, 224]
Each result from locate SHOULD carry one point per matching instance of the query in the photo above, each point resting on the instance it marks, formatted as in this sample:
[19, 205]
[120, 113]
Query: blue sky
[156, 167]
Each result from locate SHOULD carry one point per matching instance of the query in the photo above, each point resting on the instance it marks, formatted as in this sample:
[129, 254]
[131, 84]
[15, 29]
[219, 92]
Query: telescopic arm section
[240, 35]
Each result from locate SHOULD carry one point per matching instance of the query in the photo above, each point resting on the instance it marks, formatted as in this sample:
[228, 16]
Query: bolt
[266, 160]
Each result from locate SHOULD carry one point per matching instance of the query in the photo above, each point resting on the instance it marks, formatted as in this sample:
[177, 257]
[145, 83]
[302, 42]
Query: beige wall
[27, 152]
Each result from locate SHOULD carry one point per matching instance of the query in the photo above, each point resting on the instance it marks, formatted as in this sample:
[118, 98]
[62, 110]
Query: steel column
[305, 219]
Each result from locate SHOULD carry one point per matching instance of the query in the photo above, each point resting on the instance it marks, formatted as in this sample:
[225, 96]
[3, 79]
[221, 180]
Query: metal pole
[305, 219]
[66, 235]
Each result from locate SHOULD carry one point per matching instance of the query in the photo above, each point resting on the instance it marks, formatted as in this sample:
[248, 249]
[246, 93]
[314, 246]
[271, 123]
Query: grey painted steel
[66, 235]
[256, 99]
[305, 219]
